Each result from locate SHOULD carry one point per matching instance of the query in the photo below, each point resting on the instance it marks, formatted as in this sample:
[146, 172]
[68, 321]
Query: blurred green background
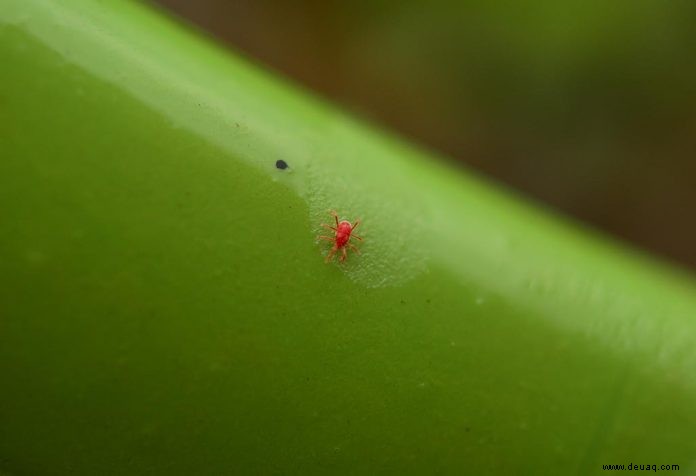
[586, 105]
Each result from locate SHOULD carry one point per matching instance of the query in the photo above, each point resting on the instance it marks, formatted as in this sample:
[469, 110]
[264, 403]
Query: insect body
[343, 232]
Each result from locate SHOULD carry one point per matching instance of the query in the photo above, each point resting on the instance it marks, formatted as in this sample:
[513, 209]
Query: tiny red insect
[341, 239]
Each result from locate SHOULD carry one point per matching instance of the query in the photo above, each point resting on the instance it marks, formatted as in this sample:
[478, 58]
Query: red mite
[343, 233]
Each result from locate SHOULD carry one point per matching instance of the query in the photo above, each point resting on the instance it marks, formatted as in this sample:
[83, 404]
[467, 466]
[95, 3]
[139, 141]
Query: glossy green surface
[165, 308]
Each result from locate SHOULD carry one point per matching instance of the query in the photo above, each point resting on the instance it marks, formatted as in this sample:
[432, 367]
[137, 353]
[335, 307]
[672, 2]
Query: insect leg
[354, 248]
[344, 255]
[331, 253]
[335, 215]
[328, 227]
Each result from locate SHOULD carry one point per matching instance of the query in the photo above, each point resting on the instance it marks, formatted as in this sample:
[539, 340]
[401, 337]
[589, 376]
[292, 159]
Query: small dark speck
[428, 301]
[403, 302]
[467, 429]
[281, 164]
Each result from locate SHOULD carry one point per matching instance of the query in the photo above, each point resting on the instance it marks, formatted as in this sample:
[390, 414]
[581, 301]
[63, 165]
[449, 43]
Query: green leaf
[165, 307]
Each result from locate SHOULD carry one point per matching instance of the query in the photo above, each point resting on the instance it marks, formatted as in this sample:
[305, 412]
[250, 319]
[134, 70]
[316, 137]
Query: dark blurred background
[586, 105]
